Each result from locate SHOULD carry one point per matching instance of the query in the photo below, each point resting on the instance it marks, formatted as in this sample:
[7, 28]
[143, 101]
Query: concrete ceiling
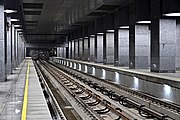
[50, 21]
[57, 17]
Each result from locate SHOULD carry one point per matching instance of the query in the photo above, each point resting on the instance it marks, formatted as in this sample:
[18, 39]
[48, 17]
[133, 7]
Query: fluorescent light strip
[144, 22]
[92, 35]
[100, 33]
[124, 27]
[14, 20]
[17, 25]
[172, 14]
[10, 11]
[110, 30]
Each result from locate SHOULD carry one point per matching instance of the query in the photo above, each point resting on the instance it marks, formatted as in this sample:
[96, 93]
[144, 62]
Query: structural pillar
[73, 51]
[163, 45]
[80, 48]
[64, 51]
[70, 48]
[99, 48]
[8, 50]
[58, 54]
[123, 46]
[163, 40]
[139, 46]
[178, 45]
[110, 47]
[92, 48]
[86, 49]
[2, 44]
[16, 48]
[116, 50]
[76, 42]
[13, 47]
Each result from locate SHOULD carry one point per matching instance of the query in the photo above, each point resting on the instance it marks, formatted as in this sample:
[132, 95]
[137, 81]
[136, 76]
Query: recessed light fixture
[100, 33]
[85, 37]
[19, 29]
[10, 11]
[110, 30]
[144, 22]
[92, 35]
[124, 27]
[172, 14]
[17, 25]
[14, 20]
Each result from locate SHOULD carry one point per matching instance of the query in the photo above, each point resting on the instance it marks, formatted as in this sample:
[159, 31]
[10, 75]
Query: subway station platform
[21, 101]
[161, 85]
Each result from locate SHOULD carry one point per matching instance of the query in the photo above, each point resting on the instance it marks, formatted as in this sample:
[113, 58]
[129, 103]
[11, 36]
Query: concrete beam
[44, 45]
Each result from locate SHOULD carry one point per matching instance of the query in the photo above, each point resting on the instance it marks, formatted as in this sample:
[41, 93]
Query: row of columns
[61, 52]
[154, 46]
[11, 46]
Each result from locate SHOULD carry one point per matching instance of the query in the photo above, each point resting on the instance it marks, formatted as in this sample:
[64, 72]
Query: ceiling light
[110, 30]
[100, 33]
[85, 37]
[124, 27]
[92, 35]
[19, 29]
[172, 14]
[17, 25]
[144, 22]
[10, 11]
[14, 20]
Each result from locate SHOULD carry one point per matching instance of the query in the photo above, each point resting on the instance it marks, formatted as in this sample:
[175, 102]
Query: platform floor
[12, 95]
[37, 107]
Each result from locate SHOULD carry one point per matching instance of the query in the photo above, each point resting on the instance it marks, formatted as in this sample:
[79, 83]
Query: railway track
[131, 96]
[99, 100]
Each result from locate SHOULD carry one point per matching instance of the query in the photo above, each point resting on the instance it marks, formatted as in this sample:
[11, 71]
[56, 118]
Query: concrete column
[80, 48]
[92, 48]
[2, 44]
[104, 48]
[73, 51]
[116, 49]
[70, 48]
[110, 48]
[99, 48]
[19, 49]
[163, 45]
[61, 52]
[64, 52]
[178, 46]
[123, 46]
[57, 51]
[8, 44]
[76, 49]
[22, 49]
[86, 49]
[139, 45]
[13, 47]
[16, 48]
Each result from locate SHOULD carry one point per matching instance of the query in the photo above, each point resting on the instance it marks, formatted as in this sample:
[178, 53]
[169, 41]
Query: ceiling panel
[32, 12]
[33, 5]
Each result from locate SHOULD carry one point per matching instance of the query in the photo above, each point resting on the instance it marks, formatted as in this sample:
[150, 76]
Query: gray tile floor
[12, 98]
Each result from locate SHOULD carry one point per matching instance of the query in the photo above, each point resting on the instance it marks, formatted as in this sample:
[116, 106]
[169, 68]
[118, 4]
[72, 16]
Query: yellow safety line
[24, 109]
